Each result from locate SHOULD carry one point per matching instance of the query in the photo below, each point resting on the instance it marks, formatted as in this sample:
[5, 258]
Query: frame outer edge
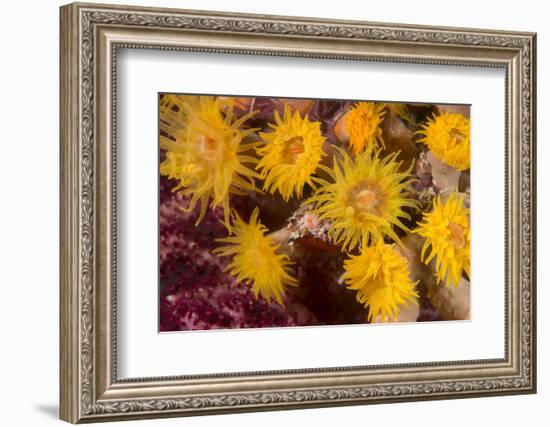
[534, 270]
[290, 18]
[78, 341]
[69, 225]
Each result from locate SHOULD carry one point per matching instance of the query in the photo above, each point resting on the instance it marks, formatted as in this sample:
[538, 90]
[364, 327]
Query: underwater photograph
[277, 212]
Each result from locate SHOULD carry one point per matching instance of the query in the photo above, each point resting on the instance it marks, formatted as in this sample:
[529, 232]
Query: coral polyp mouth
[368, 199]
[209, 147]
[457, 237]
[295, 147]
[457, 136]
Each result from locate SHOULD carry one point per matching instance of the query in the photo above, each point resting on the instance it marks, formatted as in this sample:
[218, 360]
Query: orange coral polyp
[363, 125]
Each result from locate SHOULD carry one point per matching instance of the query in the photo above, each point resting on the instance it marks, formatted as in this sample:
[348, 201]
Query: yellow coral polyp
[256, 259]
[364, 199]
[363, 126]
[380, 275]
[447, 232]
[291, 154]
[205, 151]
[448, 138]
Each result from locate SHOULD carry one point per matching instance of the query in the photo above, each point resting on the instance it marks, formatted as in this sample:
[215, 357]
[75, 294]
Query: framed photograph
[266, 212]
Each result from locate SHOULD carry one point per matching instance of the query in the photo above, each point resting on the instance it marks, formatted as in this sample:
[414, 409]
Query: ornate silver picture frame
[91, 36]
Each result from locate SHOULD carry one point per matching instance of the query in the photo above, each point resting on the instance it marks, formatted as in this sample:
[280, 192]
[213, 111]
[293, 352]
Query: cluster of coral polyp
[296, 212]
